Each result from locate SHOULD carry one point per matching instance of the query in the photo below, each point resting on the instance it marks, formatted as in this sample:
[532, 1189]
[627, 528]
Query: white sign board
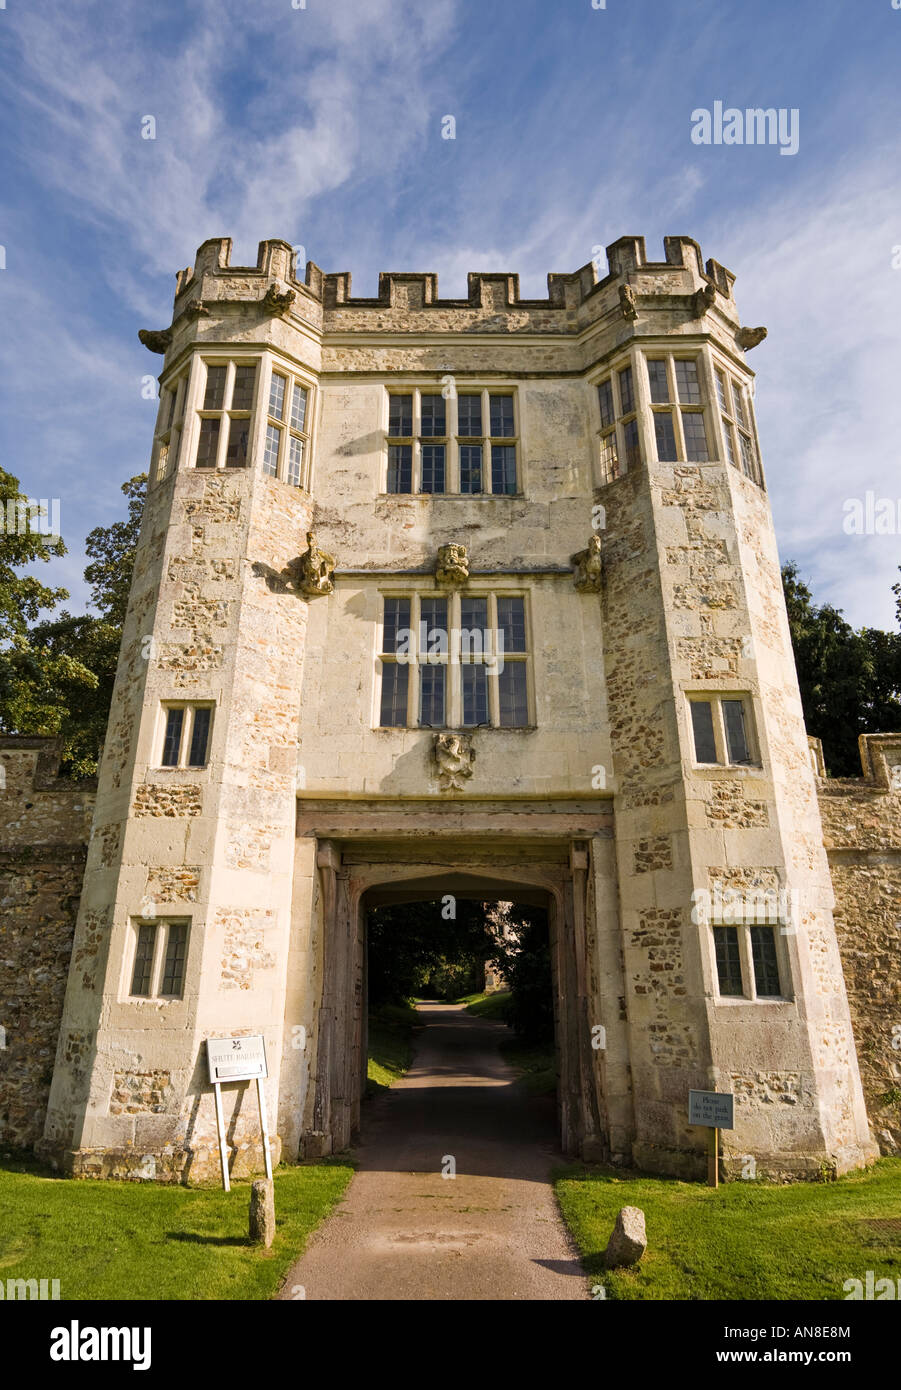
[236, 1059]
[712, 1108]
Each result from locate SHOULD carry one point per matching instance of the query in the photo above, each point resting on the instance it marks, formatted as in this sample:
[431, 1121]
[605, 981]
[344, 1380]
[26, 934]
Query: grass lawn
[487, 1005]
[391, 1029]
[105, 1240]
[745, 1240]
[535, 1062]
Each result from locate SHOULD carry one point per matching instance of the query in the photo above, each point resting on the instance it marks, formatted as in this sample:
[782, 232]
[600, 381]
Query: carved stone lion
[587, 576]
[155, 339]
[278, 301]
[748, 338]
[627, 302]
[452, 569]
[312, 572]
[454, 756]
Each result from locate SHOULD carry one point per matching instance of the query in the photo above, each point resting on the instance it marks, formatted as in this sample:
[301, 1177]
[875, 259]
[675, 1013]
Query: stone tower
[343, 491]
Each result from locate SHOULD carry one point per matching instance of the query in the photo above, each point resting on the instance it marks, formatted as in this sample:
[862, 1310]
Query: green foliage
[496, 1006]
[57, 674]
[415, 949]
[390, 1034]
[525, 961]
[850, 680]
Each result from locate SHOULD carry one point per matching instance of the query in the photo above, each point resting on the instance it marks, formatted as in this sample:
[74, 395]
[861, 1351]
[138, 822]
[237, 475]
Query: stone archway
[357, 874]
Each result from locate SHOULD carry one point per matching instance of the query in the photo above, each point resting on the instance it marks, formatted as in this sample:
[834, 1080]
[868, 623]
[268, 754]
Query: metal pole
[264, 1127]
[220, 1125]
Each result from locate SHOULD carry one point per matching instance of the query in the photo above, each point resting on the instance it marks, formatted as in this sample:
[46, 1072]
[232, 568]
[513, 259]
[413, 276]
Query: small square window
[174, 965]
[142, 974]
[175, 719]
[190, 751]
[200, 736]
[737, 749]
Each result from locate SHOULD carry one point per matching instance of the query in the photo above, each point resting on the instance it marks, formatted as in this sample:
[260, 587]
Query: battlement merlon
[682, 284]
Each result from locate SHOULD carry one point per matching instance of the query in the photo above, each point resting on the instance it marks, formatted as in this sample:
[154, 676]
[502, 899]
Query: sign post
[238, 1059]
[715, 1110]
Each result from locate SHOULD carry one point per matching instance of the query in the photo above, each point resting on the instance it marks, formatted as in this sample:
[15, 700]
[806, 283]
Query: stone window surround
[636, 358]
[453, 698]
[749, 995]
[674, 406]
[614, 435]
[715, 698]
[451, 439]
[161, 925]
[729, 431]
[156, 765]
[190, 381]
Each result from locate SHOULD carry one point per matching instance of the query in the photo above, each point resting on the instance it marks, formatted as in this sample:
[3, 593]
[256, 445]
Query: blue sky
[322, 125]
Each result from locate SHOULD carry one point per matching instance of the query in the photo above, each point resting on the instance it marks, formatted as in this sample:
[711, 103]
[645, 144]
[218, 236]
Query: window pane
[738, 397]
[695, 436]
[434, 417]
[736, 738]
[295, 460]
[728, 960]
[208, 444]
[270, 453]
[174, 967]
[238, 441]
[766, 963]
[626, 391]
[298, 407]
[630, 440]
[702, 724]
[501, 417]
[162, 463]
[748, 461]
[175, 718]
[657, 380]
[722, 390]
[609, 461]
[432, 683]
[687, 384]
[474, 681]
[141, 975]
[395, 681]
[605, 401]
[514, 705]
[469, 417]
[200, 736]
[242, 395]
[470, 468]
[400, 468]
[666, 438]
[397, 619]
[473, 614]
[511, 619]
[214, 396]
[730, 447]
[277, 395]
[400, 416]
[503, 468]
[432, 468]
[433, 623]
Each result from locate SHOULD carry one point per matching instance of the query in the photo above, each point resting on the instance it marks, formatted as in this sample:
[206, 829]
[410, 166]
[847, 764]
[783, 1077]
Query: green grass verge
[391, 1028]
[107, 1240]
[494, 1006]
[535, 1062]
[745, 1240]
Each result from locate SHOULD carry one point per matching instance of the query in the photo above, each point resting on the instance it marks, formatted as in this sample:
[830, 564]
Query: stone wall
[862, 830]
[44, 828]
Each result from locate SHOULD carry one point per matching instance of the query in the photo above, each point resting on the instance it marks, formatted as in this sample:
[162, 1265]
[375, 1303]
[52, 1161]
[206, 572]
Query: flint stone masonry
[308, 809]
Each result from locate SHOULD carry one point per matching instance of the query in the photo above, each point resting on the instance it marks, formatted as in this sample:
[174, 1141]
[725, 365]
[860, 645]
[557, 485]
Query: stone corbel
[155, 339]
[452, 568]
[310, 575]
[627, 304]
[703, 299]
[748, 338]
[587, 572]
[278, 300]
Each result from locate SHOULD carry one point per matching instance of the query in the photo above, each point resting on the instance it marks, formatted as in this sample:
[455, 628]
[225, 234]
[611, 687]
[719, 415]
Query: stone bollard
[262, 1212]
[629, 1240]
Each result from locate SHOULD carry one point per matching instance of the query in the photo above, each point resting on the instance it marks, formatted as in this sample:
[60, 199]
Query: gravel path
[405, 1232]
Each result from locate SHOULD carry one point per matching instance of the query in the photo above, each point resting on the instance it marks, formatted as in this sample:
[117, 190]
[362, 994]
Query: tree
[850, 681]
[57, 674]
[415, 946]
